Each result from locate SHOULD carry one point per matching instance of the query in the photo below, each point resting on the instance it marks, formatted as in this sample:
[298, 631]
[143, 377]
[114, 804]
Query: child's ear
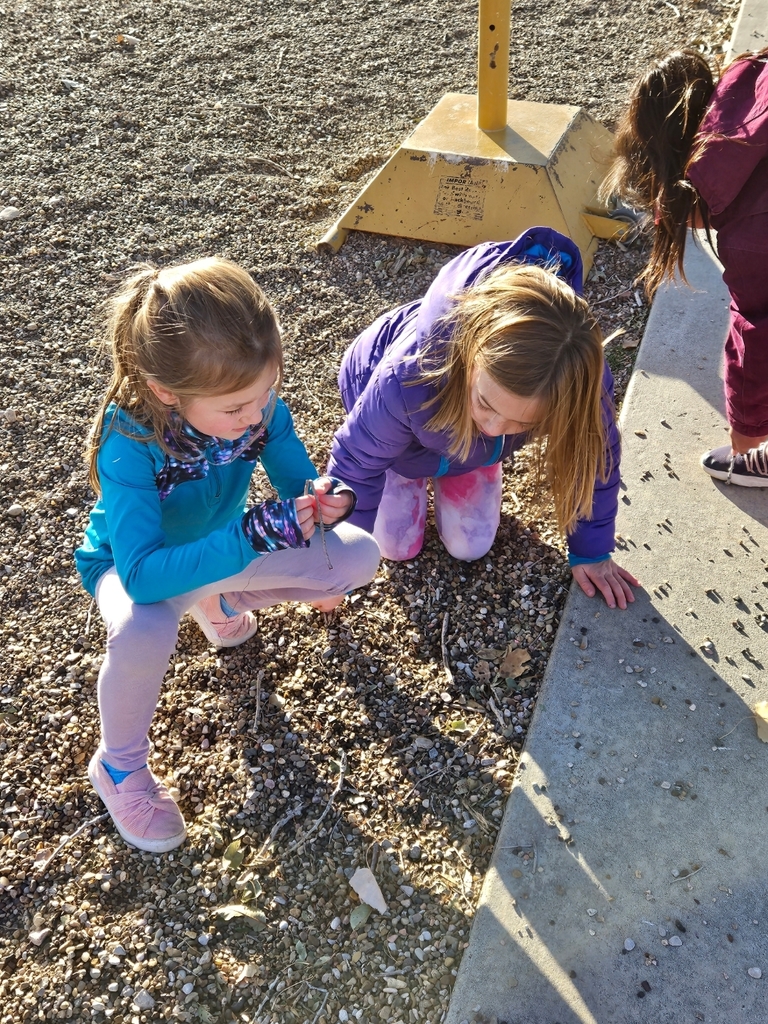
[166, 397]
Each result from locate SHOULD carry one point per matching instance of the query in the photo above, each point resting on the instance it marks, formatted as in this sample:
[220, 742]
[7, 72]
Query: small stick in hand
[309, 488]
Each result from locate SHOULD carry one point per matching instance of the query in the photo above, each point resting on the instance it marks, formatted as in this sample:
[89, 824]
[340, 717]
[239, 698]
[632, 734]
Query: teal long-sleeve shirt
[192, 537]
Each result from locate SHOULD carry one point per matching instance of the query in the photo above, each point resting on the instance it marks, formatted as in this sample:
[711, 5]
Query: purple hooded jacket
[386, 420]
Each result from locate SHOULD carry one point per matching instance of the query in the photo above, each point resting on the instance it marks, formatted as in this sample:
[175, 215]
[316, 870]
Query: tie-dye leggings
[467, 513]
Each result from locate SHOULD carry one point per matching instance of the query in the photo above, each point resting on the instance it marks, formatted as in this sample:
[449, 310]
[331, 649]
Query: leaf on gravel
[256, 919]
[367, 888]
[490, 654]
[205, 1015]
[359, 916]
[247, 971]
[233, 856]
[301, 951]
[760, 711]
[251, 887]
[514, 661]
[458, 725]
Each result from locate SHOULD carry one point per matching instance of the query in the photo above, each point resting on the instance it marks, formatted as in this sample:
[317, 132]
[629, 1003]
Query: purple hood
[386, 420]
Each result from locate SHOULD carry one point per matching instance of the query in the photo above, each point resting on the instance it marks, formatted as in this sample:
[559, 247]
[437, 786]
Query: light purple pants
[142, 637]
[467, 513]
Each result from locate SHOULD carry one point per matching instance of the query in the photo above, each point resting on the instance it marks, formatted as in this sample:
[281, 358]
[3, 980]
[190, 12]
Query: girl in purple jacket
[695, 154]
[501, 349]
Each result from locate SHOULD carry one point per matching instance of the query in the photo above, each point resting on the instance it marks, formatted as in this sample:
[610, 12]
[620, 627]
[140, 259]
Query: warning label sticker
[460, 197]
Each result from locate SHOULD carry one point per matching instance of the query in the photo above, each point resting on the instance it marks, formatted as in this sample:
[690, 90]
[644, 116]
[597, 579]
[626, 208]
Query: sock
[227, 608]
[117, 775]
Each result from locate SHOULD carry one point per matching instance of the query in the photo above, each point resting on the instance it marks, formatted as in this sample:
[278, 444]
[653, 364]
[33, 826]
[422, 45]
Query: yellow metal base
[451, 182]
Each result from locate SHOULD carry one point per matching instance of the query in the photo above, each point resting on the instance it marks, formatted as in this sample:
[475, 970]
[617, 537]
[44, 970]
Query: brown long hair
[536, 338]
[655, 143]
[199, 329]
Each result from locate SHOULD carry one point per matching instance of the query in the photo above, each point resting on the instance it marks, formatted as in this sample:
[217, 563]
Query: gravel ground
[165, 132]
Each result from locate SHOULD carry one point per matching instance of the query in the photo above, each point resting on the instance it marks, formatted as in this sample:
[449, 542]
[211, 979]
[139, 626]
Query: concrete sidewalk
[629, 880]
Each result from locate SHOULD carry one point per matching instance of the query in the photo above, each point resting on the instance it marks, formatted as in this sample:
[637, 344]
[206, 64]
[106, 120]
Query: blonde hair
[536, 338]
[200, 329]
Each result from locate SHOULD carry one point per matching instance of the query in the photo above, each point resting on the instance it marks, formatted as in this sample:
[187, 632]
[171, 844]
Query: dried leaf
[359, 916]
[367, 888]
[512, 667]
[256, 919]
[247, 971]
[490, 654]
[251, 887]
[760, 711]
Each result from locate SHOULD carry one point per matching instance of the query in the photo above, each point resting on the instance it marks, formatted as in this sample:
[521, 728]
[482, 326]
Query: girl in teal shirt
[192, 407]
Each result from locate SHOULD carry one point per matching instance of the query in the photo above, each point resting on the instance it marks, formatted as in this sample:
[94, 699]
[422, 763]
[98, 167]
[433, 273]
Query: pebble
[675, 940]
[16, 510]
[629, 945]
[37, 938]
[415, 853]
[755, 972]
[142, 1000]
[268, 748]
[10, 213]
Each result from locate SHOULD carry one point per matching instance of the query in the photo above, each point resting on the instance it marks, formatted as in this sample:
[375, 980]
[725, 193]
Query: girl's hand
[332, 506]
[305, 513]
[610, 579]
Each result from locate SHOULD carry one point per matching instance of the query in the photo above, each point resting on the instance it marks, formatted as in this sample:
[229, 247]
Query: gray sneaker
[747, 470]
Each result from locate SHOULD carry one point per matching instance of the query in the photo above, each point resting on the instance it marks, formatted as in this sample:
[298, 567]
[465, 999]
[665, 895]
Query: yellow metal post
[493, 65]
[484, 168]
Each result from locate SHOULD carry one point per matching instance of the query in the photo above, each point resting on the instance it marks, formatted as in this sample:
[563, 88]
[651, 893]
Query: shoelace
[756, 459]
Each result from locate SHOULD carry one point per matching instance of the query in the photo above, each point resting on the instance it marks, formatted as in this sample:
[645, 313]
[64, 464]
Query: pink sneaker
[144, 812]
[218, 628]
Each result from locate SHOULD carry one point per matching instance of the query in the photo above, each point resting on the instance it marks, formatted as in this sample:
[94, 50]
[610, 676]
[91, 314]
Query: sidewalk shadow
[629, 866]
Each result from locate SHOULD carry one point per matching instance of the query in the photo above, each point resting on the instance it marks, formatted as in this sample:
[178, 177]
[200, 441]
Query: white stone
[755, 972]
[10, 213]
[629, 944]
[16, 510]
[143, 1000]
[675, 940]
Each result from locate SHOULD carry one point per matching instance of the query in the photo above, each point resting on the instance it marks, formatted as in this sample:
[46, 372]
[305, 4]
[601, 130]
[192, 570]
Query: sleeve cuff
[583, 560]
[339, 487]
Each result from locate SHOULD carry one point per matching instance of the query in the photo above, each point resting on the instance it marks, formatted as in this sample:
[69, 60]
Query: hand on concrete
[741, 443]
[610, 579]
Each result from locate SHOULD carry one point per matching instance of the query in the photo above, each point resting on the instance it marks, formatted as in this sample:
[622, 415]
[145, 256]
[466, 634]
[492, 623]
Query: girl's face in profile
[226, 416]
[496, 411]
[229, 416]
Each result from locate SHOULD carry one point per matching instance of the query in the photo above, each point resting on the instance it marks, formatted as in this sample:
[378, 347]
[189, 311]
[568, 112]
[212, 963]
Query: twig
[681, 877]
[259, 677]
[342, 772]
[446, 766]
[266, 997]
[735, 727]
[86, 824]
[673, 8]
[309, 488]
[270, 163]
[280, 59]
[443, 636]
[497, 713]
[619, 295]
[276, 828]
[322, 1005]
